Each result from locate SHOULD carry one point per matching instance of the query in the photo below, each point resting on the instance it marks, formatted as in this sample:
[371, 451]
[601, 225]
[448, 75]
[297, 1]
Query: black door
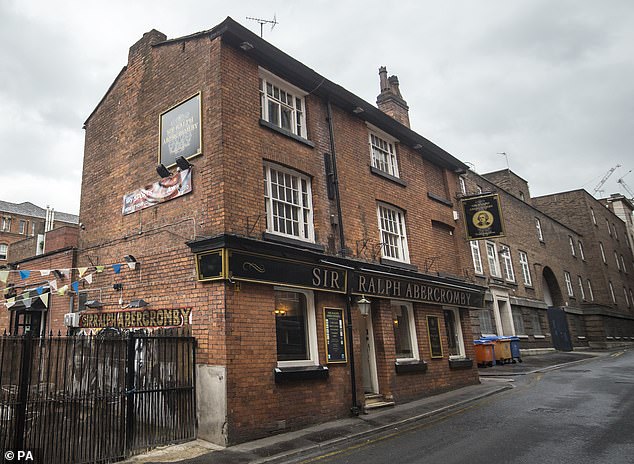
[559, 329]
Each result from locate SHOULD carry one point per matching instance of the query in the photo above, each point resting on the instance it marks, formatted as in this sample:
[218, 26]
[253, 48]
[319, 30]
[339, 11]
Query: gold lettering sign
[135, 318]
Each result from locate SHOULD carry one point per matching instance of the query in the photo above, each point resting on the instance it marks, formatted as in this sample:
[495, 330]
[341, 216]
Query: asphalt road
[579, 414]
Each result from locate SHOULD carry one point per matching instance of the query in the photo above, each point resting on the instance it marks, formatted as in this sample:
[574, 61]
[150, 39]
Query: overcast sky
[549, 82]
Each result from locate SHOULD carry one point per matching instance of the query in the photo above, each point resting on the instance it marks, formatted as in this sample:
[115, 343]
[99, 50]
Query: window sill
[539, 337]
[404, 367]
[522, 337]
[385, 175]
[292, 241]
[439, 199]
[288, 134]
[464, 363]
[288, 374]
[398, 264]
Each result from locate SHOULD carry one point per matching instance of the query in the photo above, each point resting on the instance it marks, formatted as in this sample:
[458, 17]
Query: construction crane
[597, 189]
[625, 186]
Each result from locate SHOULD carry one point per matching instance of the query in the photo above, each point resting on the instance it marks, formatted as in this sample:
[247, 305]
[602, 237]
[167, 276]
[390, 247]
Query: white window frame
[492, 258]
[507, 263]
[581, 290]
[627, 300]
[476, 257]
[311, 330]
[459, 338]
[607, 223]
[392, 232]
[6, 224]
[616, 258]
[612, 292]
[304, 206]
[582, 254]
[412, 330]
[538, 226]
[568, 283]
[572, 245]
[383, 151]
[526, 270]
[462, 184]
[623, 264]
[4, 250]
[22, 228]
[487, 313]
[479, 189]
[296, 108]
[594, 218]
[605, 261]
[616, 234]
[591, 292]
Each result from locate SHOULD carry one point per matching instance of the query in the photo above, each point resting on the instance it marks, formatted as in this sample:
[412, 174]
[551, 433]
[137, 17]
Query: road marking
[617, 354]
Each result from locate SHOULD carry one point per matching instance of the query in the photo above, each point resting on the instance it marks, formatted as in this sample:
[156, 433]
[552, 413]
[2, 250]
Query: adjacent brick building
[303, 202]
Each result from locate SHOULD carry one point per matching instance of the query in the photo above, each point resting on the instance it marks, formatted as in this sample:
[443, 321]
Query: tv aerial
[273, 22]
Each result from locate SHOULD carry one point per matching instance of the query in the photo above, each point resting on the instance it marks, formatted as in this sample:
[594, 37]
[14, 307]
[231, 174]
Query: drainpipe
[342, 250]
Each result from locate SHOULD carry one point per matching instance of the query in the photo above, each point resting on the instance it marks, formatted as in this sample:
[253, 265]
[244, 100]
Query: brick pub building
[294, 203]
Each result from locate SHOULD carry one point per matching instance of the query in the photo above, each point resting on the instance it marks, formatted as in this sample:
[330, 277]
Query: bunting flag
[88, 278]
[75, 286]
[116, 268]
[26, 295]
[10, 302]
[27, 302]
[65, 272]
[40, 289]
[53, 284]
[44, 299]
[4, 275]
[25, 274]
[62, 290]
[132, 265]
[100, 268]
[45, 272]
[82, 271]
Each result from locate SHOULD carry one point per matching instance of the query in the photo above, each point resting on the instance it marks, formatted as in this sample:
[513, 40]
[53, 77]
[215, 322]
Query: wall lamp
[140, 303]
[131, 261]
[93, 304]
[364, 305]
[182, 163]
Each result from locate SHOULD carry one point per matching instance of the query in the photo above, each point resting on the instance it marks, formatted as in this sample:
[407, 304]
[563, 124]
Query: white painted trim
[311, 330]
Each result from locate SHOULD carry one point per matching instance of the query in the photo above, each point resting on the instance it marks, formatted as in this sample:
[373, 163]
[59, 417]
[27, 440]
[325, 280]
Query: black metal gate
[559, 329]
[88, 399]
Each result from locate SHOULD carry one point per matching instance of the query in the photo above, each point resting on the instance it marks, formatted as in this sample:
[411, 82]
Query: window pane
[402, 335]
[450, 327]
[290, 325]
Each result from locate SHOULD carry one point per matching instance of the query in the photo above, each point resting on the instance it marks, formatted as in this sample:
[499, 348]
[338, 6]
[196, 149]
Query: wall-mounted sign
[180, 131]
[209, 265]
[335, 335]
[433, 333]
[168, 188]
[483, 217]
[252, 267]
[402, 288]
[135, 318]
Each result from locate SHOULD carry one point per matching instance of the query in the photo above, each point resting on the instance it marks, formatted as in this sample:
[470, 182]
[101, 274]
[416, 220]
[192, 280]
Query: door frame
[368, 356]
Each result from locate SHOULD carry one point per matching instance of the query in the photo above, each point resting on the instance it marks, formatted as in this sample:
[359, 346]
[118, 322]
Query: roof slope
[29, 209]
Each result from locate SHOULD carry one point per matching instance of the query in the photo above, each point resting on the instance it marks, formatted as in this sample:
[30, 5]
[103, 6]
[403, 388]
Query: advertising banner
[168, 188]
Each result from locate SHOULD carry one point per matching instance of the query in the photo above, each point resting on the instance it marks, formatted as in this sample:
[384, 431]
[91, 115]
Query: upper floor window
[572, 246]
[623, 264]
[522, 196]
[627, 300]
[605, 261]
[507, 263]
[383, 154]
[616, 234]
[6, 224]
[581, 253]
[594, 218]
[568, 283]
[590, 292]
[463, 185]
[4, 249]
[526, 271]
[282, 104]
[538, 226]
[475, 255]
[22, 227]
[612, 292]
[478, 189]
[288, 203]
[607, 224]
[616, 258]
[492, 256]
[393, 235]
[582, 292]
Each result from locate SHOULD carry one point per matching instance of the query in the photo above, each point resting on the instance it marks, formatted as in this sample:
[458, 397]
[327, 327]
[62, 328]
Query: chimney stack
[390, 100]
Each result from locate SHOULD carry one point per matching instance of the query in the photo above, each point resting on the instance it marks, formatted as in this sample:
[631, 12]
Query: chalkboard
[335, 335]
[433, 331]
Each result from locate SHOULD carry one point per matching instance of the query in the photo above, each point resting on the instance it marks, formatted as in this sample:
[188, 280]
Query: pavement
[304, 442]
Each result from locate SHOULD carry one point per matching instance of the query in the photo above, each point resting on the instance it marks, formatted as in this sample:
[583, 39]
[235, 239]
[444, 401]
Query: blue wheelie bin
[515, 348]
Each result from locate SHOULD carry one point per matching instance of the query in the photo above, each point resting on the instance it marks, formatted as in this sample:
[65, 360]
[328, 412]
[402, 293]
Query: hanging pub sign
[433, 332]
[180, 131]
[135, 318]
[168, 188]
[483, 217]
[335, 335]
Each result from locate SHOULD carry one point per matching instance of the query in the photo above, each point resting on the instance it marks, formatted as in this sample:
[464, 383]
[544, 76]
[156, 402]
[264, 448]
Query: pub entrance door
[368, 356]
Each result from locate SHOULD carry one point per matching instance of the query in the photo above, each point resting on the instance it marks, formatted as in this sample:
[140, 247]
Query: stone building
[287, 204]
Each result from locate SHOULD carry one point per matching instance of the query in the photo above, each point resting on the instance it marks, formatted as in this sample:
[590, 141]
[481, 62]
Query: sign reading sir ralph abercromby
[135, 318]
[180, 131]
[483, 217]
